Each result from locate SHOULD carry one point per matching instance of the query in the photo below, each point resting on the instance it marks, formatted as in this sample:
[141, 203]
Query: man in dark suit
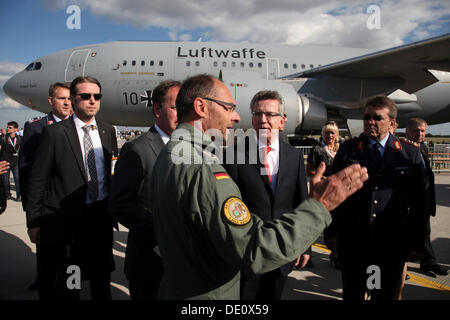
[67, 197]
[129, 201]
[273, 185]
[9, 151]
[382, 225]
[416, 129]
[59, 100]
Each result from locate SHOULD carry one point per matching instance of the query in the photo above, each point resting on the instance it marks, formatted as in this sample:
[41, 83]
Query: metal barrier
[440, 157]
[305, 149]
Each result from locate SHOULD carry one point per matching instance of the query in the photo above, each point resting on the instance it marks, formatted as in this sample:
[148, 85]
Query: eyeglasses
[226, 105]
[375, 117]
[87, 96]
[269, 115]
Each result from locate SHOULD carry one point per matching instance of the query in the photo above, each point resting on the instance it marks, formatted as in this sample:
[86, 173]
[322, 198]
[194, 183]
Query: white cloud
[340, 23]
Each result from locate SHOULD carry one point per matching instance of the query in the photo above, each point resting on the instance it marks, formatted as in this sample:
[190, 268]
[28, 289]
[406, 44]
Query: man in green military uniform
[205, 232]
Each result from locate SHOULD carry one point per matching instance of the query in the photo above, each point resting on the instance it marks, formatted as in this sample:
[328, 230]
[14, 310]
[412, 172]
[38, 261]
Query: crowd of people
[225, 224]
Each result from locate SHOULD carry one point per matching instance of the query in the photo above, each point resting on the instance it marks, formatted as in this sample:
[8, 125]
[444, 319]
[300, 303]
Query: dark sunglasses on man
[375, 117]
[87, 96]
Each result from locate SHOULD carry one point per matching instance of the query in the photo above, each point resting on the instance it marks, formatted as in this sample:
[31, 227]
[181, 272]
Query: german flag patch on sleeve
[221, 175]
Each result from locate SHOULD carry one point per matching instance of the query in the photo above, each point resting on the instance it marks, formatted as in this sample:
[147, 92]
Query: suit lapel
[72, 136]
[285, 162]
[156, 142]
[105, 138]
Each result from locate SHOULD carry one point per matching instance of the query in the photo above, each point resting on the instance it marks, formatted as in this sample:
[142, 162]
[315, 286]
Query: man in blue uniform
[382, 225]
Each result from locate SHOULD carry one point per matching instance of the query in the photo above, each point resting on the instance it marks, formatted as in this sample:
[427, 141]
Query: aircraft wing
[410, 63]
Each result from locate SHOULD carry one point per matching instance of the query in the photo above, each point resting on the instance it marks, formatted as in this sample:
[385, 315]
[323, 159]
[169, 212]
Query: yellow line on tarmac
[413, 277]
[429, 283]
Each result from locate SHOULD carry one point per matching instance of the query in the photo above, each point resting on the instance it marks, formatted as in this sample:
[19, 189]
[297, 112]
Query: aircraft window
[152, 63]
[224, 64]
[188, 63]
[285, 65]
[30, 66]
[161, 63]
[124, 63]
[37, 66]
[303, 66]
[259, 65]
[215, 64]
[142, 63]
[233, 64]
[311, 66]
[242, 64]
[294, 66]
[197, 63]
[251, 64]
[133, 63]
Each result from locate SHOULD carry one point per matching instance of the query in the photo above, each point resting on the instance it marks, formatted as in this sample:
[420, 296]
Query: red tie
[266, 164]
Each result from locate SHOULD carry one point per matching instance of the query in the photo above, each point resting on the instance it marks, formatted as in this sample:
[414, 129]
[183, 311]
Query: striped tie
[91, 170]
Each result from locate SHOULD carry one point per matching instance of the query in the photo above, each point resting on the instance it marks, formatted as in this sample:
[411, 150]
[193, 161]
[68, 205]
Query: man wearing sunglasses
[382, 225]
[67, 199]
[273, 185]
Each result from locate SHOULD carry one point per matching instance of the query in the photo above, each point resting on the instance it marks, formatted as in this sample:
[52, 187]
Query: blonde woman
[325, 151]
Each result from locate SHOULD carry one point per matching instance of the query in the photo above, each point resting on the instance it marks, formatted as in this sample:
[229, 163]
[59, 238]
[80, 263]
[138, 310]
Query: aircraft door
[273, 71]
[75, 65]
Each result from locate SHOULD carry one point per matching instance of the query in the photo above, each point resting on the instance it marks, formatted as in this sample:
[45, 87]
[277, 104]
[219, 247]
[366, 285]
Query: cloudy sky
[30, 29]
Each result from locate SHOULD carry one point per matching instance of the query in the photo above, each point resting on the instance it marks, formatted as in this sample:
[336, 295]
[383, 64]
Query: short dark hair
[192, 88]
[381, 101]
[56, 85]
[14, 124]
[78, 80]
[415, 122]
[160, 92]
[268, 95]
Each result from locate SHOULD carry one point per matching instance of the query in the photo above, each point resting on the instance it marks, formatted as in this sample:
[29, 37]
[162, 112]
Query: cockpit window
[34, 66]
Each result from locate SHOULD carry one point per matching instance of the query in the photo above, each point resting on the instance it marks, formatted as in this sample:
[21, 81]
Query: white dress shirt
[98, 151]
[164, 136]
[273, 159]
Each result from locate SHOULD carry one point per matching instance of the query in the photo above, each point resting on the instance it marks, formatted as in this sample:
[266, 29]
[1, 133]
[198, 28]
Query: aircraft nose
[12, 89]
[7, 87]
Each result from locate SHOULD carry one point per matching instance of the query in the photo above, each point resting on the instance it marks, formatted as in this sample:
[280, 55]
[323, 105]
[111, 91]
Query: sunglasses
[374, 117]
[87, 96]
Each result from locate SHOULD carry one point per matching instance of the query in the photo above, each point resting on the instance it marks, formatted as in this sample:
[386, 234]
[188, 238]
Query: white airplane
[316, 82]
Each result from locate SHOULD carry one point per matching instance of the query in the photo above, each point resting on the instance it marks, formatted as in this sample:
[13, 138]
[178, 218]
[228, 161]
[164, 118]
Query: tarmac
[322, 282]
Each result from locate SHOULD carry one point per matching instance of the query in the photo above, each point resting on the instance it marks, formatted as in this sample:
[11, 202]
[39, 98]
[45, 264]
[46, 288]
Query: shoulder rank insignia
[236, 211]
[415, 144]
[360, 145]
[221, 175]
[397, 145]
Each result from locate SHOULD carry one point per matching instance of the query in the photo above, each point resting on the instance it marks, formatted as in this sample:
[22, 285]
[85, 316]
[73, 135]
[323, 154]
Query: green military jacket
[206, 234]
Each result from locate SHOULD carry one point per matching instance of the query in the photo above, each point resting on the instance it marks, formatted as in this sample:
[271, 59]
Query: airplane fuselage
[130, 70]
